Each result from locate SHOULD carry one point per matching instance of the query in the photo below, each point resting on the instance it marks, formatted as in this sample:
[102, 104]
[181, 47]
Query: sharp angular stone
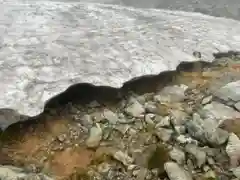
[43, 52]
[231, 91]
[175, 172]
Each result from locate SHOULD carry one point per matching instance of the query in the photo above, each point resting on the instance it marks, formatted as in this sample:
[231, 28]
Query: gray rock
[95, 136]
[182, 139]
[207, 100]
[110, 116]
[86, 120]
[233, 150]
[199, 155]
[177, 155]
[219, 112]
[164, 134]
[237, 106]
[164, 121]
[171, 94]
[206, 131]
[15, 173]
[210, 175]
[179, 117]
[231, 91]
[175, 172]
[123, 158]
[135, 109]
[150, 107]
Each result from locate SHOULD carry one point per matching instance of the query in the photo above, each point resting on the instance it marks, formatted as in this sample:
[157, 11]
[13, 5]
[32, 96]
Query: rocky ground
[181, 125]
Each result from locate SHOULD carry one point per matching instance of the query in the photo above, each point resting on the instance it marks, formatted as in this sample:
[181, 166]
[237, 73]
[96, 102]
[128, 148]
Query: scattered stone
[163, 121]
[171, 94]
[86, 120]
[164, 134]
[135, 109]
[231, 91]
[62, 137]
[162, 110]
[179, 117]
[93, 104]
[110, 116]
[210, 175]
[14, 173]
[177, 155]
[148, 119]
[180, 129]
[150, 107]
[123, 158]
[207, 100]
[206, 131]
[175, 172]
[219, 112]
[123, 128]
[199, 155]
[233, 150]
[95, 137]
[182, 139]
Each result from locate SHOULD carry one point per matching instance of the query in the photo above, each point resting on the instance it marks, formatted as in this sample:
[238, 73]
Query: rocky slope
[179, 125]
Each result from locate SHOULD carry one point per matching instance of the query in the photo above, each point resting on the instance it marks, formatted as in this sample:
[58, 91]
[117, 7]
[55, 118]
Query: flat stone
[45, 62]
[175, 172]
[171, 94]
[219, 112]
[230, 91]
[135, 109]
[110, 116]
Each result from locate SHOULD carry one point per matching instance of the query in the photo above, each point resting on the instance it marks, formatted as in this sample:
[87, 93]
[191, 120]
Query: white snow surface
[47, 46]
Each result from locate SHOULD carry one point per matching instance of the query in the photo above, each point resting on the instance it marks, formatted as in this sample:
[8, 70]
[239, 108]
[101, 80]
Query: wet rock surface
[179, 130]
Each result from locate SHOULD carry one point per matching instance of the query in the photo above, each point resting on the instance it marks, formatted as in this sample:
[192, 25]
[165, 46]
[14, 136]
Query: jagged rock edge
[182, 66]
